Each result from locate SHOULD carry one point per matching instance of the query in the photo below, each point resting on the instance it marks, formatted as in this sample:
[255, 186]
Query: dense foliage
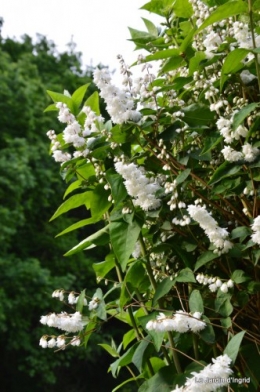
[174, 178]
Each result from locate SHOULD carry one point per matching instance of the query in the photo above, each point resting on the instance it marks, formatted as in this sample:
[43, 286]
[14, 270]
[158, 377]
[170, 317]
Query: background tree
[30, 190]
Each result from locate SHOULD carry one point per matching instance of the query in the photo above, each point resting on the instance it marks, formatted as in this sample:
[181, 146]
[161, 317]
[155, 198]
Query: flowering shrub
[174, 178]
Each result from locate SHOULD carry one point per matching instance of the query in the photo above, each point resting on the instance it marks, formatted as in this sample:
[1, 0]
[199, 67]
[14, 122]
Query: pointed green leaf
[73, 202]
[102, 269]
[232, 63]
[185, 275]
[162, 289]
[223, 12]
[152, 29]
[93, 103]
[101, 237]
[205, 258]
[233, 345]
[182, 176]
[78, 95]
[196, 302]
[78, 225]
[225, 170]
[240, 116]
[80, 302]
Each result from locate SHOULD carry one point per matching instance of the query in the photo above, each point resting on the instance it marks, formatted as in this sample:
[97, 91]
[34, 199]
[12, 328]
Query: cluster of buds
[214, 283]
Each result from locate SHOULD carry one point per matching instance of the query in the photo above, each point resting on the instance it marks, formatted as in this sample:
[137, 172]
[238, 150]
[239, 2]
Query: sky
[98, 27]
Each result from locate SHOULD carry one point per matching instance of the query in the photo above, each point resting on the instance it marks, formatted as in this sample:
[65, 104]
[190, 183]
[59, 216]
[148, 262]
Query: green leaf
[116, 182]
[139, 354]
[123, 237]
[93, 103]
[128, 337]
[124, 360]
[58, 97]
[196, 302]
[238, 276]
[197, 114]
[109, 349]
[196, 61]
[174, 63]
[211, 142]
[160, 7]
[156, 337]
[223, 12]
[233, 345]
[101, 269]
[161, 381]
[78, 225]
[101, 237]
[126, 382]
[225, 170]
[240, 232]
[232, 64]
[182, 176]
[162, 289]
[185, 275]
[73, 202]
[207, 334]
[74, 185]
[78, 95]
[205, 258]
[242, 114]
[182, 8]
[152, 29]
[163, 54]
[80, 302]
[99, 203]
[51, 108]
[223, 305]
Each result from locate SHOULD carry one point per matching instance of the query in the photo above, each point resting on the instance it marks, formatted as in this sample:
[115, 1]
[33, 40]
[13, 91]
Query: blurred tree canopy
[31, 261]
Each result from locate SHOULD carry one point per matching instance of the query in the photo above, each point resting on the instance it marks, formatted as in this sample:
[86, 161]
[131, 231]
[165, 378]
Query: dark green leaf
[182, 176]
[73, 202]
[197, 114]
[205, 258]
[225, 170]
[185, 275]
[240, 116]
[196, 302]
[162, 289]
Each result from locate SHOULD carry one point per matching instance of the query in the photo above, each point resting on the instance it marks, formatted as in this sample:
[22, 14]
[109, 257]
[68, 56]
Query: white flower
[60, 341]
[224, 288]
[43, 342]
[52, 343]
[216, 234]
[93, 304]
[250, 152]
[64, 321]
[181, 322]
[230, 283]
[75, 341]
[247, 77]
[138, 186]
[231, 155]
[256, 230]
[71, 298]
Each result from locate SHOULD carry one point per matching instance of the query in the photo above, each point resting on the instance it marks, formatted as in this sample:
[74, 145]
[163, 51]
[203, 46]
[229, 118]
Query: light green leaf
[109, 349]
[93, 103]
[99, 203]
[205, 258]
[74, 185]
[160, 7]
[58, 97]
[126, 382]
[116, 182]
[182, 8]
[240, 232]
[124, 360]
[128, 337]
[196, 302]
[80, 302]
[73, 202]
[78, 225]
[223, 12]
[123, 237]
[174, 63]
[78, 95]
[101, 237]
[102, 269]
[51, 108]
[233, 345]
[152, 29]
[163, 54]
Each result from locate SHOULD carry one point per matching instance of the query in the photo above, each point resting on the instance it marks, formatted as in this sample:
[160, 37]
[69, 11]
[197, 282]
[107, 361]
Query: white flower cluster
[210, 378]
[225, 127]
[120, 103]
[181, 322]
[93, 304]
[256, 229]
[64, 321]
[249, 153]
[138, 186]
[241, 33]
[214, 283]
[217, 235]
[58, 341]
